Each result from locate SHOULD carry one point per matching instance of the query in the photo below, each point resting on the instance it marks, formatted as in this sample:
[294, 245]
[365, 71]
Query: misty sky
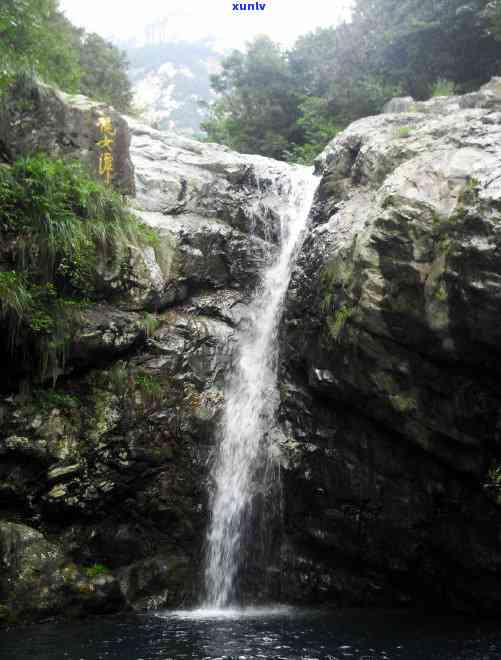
[282, 20]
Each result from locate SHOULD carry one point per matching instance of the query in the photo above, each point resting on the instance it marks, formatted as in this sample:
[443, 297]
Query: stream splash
[251, 399]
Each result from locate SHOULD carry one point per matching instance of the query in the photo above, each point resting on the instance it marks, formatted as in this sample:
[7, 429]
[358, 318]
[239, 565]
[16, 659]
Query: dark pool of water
[280, 634]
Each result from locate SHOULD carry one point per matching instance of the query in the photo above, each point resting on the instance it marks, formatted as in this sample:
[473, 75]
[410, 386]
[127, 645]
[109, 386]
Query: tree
[258, 106]
[37, 39]
[104, 72]
[318, 126]
[416, 42]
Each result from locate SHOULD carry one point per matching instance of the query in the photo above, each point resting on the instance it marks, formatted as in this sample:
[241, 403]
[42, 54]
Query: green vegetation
[493, 482]
[469, 194]
[443, 87]
[337, 322]
[403, 132]
[118, 379]
[289, 104]
[103, 72]
[150, 387]
[318, 128]
[56, 224]
[403, 403]
[338, 272]
[125, 381]
[151, 324]
[95, 570]
[48, 399]
[36, 38]
[258, 108]
[441, 293]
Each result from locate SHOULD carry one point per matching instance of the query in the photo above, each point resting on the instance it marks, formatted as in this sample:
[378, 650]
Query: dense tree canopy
[104, 72]
[258, 107]
[36, 38]
[289, 104]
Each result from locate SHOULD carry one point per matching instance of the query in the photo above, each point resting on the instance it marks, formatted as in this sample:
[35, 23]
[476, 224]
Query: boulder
[37, 581]
[35, 117]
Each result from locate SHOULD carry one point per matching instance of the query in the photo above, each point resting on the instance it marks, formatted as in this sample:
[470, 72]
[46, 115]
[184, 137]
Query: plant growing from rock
[95, 570]
[443, 87]
[337, 322]
[56, 224]
[403, 132]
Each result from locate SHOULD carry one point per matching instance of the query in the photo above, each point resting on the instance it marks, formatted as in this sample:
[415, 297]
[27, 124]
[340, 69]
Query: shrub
[337, 322]
[56, 223]
[149, 387]
[95, 570]
[443, 87]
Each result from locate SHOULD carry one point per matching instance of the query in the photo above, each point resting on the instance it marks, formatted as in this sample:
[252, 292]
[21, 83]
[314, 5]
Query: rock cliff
[391, 363]
[389, 416]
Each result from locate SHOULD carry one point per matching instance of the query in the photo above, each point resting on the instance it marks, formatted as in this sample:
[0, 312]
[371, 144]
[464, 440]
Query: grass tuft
[56, 225]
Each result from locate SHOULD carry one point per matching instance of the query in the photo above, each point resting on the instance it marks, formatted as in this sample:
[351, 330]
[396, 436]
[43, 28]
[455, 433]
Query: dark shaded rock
[157, 582]
[211, 254]
[105, 332]
[37, 581]
[113, 464]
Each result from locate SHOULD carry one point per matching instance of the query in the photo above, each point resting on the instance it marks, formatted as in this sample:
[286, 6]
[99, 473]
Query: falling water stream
[251, 399]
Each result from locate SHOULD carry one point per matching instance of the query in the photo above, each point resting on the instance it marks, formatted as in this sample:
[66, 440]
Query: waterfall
[251, 399]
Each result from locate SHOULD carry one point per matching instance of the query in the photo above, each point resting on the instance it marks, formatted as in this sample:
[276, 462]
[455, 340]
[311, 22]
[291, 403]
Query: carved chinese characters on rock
[105, 145]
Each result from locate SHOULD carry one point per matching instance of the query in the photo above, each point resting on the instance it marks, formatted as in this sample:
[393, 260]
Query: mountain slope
[169, 79]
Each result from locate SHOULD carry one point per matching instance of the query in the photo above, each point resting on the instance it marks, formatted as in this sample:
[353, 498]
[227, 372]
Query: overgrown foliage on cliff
[58, 226]
[36, 38]
[289, 104]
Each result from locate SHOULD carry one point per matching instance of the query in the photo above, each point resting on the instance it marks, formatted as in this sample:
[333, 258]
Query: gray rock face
[176, 176]
[391, 355]
[35, 117]
[216, 214]
[399, 104]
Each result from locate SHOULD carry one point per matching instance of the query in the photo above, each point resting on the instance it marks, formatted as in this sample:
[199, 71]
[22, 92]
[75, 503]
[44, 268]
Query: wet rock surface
[390, 363]
[111, 465]
[38, 581]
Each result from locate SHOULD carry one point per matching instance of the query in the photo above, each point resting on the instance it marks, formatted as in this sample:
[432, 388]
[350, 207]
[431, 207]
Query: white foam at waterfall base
[206, 613]
[251, 398]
